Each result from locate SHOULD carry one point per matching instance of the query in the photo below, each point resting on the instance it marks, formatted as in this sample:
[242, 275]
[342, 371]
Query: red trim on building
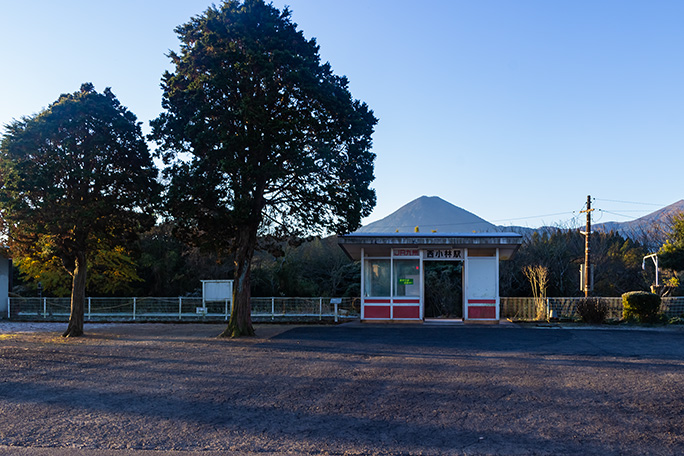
[482, 312]
[376, 312]
[481, 301]
[376, 301]
[407, 301]
[412, 312]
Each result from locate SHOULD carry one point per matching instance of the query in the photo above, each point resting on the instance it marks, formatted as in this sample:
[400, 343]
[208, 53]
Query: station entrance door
[443, 282]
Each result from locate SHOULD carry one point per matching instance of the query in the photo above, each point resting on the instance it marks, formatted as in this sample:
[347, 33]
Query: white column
[363, 281]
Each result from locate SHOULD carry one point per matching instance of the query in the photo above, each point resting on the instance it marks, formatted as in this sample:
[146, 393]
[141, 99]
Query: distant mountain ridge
[661, 217]
[432, 213]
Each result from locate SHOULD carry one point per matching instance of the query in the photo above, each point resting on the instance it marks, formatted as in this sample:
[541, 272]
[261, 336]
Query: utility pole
[587, 248]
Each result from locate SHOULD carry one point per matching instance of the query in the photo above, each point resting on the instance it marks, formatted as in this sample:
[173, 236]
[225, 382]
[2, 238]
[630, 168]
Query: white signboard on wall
[482, 278]
[482, 289]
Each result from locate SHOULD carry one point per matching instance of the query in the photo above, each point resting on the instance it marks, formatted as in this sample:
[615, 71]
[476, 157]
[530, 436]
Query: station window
[406, 278]
[376, 278]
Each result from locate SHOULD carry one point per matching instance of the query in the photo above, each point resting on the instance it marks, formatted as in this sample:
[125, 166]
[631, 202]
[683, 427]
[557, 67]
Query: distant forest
[161, 265]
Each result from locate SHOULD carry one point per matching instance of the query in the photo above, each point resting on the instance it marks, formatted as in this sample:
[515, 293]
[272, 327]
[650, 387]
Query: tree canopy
[261, 138]
[77, 177]
[671, 254]
[112, 270]
[616, 260]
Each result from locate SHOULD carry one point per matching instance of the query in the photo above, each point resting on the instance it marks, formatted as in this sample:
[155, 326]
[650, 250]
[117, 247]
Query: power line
[573, 219]
[629, 202]
[629, 210]
[492, 221]
[532, 217]
[619, 215]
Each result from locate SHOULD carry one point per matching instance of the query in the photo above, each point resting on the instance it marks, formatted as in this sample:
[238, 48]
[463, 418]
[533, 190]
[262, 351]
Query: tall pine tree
[261, 138]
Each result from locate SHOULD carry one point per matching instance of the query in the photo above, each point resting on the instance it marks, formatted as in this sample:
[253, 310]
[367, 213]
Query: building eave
[380, 244]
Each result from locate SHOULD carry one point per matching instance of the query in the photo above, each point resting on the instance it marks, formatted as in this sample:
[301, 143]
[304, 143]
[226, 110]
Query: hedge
[641, 306]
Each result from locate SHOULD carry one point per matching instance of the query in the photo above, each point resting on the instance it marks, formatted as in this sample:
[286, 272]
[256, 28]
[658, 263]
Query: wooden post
[587, 249]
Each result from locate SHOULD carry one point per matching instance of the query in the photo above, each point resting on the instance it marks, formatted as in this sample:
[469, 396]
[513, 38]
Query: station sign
[406, 252]
[444, 254]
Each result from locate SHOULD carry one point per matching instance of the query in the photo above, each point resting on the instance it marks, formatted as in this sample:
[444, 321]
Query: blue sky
[513, 110]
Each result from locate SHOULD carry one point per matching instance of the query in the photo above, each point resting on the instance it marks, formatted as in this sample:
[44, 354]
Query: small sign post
[336, 302]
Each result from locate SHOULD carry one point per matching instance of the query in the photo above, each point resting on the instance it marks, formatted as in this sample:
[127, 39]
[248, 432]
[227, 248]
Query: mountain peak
[429, 213]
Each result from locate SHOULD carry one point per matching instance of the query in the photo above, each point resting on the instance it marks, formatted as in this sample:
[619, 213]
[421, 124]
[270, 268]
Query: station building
[420, 277]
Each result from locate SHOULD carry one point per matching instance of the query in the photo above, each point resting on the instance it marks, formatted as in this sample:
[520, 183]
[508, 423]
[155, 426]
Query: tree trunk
[78, 285]
[240, 323]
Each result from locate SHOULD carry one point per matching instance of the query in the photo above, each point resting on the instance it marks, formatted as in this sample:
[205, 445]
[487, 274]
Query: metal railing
[526, 308]
[277, 308]
[181, 309]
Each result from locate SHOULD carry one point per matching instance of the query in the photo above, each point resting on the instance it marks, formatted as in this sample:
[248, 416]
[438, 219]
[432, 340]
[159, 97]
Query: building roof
[381, 244]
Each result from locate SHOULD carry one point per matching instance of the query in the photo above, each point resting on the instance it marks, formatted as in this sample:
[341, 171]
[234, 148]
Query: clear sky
[514, 110]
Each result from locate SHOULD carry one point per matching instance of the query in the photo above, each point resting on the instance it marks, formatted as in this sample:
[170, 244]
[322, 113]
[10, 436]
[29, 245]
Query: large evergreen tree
[76, 177]
[261, 138]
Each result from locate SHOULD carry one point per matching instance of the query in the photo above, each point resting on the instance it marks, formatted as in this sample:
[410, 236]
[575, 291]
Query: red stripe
[376, 312]
[412, 312]
[481, 312]
[376, 301]
[481, 301]
[407, 301]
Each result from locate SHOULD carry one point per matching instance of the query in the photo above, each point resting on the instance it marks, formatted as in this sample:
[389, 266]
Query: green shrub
[641, 306]
[592, 310]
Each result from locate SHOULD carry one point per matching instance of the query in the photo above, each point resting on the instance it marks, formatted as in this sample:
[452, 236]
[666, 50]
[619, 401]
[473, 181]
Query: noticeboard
[217, 290]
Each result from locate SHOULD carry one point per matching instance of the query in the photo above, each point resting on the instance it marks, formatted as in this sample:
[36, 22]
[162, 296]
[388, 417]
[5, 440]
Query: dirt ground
[340, 390]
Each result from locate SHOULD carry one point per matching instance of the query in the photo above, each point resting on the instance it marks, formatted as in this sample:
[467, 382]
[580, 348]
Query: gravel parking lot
[150, 389]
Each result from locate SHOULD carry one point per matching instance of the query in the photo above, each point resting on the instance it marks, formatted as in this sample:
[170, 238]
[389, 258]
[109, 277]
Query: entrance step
[460, 322]
[444, 321]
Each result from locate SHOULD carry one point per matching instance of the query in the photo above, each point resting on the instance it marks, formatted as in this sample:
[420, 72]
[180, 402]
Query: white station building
[403, 275]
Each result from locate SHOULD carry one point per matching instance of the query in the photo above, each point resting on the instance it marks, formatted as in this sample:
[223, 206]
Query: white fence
[181, 308]
[526, 309]
[274, 308]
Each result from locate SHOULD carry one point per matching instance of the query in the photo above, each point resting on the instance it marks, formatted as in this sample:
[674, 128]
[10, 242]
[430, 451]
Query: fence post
[226, 309]
[272, 308]
[320, 309]
[335, 311]
[180, 307]
[44, 308]
[9, 312]
[89, 308]
[133, 309]
[548, 309]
